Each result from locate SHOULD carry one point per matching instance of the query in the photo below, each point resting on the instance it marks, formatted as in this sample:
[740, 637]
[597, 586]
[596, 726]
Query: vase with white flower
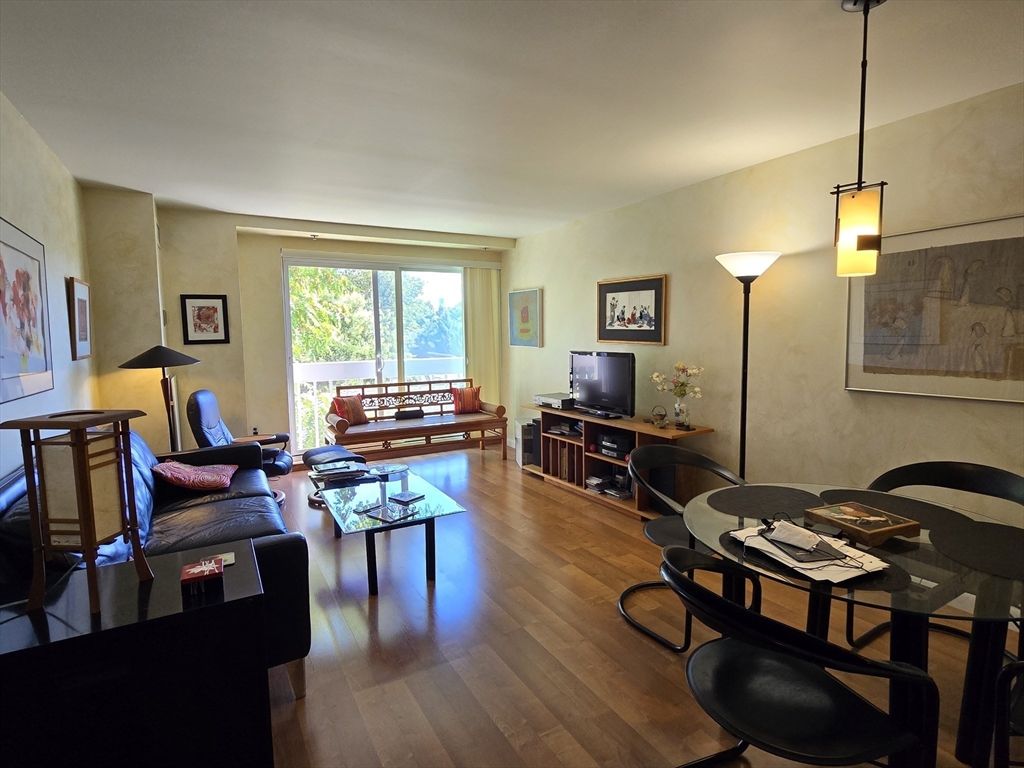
[681, 384]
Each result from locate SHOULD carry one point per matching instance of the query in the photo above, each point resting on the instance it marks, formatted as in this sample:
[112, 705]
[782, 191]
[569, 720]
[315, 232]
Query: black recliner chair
[209, 430]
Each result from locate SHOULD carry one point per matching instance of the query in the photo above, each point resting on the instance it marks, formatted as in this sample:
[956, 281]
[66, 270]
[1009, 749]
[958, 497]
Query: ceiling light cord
[863, 98]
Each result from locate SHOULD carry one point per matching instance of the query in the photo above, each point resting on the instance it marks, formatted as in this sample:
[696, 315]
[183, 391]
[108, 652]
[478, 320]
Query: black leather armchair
[209, 429]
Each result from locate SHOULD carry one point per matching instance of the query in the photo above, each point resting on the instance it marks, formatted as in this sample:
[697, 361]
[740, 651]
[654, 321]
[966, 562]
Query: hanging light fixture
[859, 205]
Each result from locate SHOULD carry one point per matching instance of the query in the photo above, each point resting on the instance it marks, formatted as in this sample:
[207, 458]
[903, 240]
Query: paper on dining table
[857, 563]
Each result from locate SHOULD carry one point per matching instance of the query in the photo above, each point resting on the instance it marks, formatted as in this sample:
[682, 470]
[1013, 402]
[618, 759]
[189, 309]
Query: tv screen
[603, 382]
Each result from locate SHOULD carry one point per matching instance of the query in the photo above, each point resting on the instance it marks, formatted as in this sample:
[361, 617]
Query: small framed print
[632, 310]
[524, 318]
[204, 319]
[79, 318]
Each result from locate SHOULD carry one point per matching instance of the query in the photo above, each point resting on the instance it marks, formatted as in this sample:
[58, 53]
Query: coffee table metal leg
[428, 527]
[371, 563]
[337, 530]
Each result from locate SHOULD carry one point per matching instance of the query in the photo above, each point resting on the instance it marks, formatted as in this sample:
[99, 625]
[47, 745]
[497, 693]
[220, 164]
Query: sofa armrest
[283, 561]
[244, 456]
[497, 410]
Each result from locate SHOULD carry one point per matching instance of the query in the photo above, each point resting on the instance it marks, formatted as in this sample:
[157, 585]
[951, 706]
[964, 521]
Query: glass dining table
[961, 566]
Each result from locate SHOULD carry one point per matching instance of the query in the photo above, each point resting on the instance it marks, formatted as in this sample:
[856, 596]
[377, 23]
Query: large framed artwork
[204, 319]
[632, 310]
[79, 318]
[524, 318]
[26, 365]
[943, 316]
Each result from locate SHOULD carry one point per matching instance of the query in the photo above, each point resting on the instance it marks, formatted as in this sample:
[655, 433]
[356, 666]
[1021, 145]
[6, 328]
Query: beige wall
[40, 197]
[124, 264]
[957, 164]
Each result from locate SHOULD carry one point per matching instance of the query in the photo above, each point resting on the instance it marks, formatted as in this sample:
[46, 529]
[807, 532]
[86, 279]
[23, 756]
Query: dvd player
[560, 400]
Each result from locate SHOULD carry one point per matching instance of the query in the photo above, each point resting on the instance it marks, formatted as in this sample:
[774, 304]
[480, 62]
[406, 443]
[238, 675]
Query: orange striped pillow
[467, 399]
[350, 409]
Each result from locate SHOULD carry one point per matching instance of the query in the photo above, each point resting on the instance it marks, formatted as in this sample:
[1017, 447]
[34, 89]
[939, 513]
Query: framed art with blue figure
[943, 316]
[26, 365]
[525, 309]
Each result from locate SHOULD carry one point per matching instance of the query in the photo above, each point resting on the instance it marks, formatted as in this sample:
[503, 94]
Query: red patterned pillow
[467, 399]
[350, 409]
[212, 477]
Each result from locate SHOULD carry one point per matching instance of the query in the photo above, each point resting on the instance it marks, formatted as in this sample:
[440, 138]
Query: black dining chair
[671, 528]
[1009, 714]
[954, 475]
[768, 684]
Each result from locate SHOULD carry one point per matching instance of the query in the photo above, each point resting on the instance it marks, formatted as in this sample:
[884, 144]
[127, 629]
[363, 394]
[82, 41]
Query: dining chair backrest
[647, 457]
[957, 476]
[731, 619]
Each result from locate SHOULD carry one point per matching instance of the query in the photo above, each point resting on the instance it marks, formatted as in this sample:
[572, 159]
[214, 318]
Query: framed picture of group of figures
[943, 315]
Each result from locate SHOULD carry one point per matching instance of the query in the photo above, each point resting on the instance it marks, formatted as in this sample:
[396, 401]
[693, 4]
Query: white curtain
[483, 331]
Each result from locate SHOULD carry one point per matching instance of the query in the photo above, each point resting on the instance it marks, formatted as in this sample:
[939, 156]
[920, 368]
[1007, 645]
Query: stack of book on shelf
[619, 493]
[334, 471]
[597, 484]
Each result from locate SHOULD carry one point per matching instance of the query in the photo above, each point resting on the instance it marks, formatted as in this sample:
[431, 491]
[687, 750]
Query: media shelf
[568, 460]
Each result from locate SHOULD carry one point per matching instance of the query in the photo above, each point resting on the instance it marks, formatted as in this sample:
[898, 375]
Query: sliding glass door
[363, 324]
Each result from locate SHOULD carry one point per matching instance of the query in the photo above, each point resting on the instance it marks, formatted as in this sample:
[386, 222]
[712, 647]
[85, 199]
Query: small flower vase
[682, 412]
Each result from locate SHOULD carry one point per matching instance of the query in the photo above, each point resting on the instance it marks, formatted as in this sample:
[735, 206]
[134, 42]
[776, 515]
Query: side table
[144, 682]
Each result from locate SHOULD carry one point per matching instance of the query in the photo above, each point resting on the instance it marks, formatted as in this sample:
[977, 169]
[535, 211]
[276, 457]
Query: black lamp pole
[746, 280]
[746, 266]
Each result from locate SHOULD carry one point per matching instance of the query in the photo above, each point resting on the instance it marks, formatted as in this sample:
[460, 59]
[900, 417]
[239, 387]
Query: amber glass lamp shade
[858, 232]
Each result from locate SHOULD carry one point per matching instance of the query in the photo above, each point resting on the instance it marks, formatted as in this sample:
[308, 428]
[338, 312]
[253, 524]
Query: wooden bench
[439, 429]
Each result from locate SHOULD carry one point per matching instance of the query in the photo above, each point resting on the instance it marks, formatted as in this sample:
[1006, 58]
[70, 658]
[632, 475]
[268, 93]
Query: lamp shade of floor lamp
[81, 491]
[746, 267]
[163, 358]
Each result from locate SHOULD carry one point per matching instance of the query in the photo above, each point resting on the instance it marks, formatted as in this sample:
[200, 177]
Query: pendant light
[859, 205]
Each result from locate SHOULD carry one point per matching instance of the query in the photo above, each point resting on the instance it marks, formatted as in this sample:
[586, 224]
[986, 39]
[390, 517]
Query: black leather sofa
[172, 519]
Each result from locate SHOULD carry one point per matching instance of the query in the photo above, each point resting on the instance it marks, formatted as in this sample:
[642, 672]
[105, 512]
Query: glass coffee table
[347, 504]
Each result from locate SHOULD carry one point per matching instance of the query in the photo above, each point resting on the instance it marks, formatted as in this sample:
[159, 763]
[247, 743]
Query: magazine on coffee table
[337, 470]
[391, 513]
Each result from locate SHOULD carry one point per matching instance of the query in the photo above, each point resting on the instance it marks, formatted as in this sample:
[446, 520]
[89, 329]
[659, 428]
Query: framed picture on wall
[204, 319]
[26, 364]
[524, 318]
[943, 316]
[79, 318]
[632, 310]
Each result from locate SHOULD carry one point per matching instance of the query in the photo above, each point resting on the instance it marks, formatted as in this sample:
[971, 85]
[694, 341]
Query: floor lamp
[746, 267]
[163, 358]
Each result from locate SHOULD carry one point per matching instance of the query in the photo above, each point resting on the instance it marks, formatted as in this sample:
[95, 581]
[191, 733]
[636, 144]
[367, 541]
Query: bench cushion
[440, 424]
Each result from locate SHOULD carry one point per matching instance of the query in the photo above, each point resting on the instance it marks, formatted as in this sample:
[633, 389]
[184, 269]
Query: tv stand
[568, 460]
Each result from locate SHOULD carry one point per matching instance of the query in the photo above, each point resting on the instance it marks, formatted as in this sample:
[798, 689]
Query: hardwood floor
[516, 656]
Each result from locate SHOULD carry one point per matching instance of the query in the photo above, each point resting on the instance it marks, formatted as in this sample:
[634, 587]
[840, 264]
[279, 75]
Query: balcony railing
[314, 385]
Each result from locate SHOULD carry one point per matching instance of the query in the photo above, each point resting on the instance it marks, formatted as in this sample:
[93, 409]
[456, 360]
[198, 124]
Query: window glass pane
[432, 325]
[333, 341]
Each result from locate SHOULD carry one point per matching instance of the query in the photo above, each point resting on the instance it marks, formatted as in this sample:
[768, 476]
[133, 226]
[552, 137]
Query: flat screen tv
[603, 383]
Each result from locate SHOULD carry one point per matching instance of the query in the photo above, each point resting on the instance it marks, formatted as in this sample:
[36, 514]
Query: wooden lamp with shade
[80, 490]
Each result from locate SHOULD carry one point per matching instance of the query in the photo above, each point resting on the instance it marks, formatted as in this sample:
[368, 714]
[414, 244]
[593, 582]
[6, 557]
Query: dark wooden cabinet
[144, 682]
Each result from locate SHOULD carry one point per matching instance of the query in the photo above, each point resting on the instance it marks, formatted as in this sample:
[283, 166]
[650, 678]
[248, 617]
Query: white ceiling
[499, 118]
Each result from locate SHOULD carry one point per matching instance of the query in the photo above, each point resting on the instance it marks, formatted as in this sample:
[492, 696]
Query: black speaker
[536, 442]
